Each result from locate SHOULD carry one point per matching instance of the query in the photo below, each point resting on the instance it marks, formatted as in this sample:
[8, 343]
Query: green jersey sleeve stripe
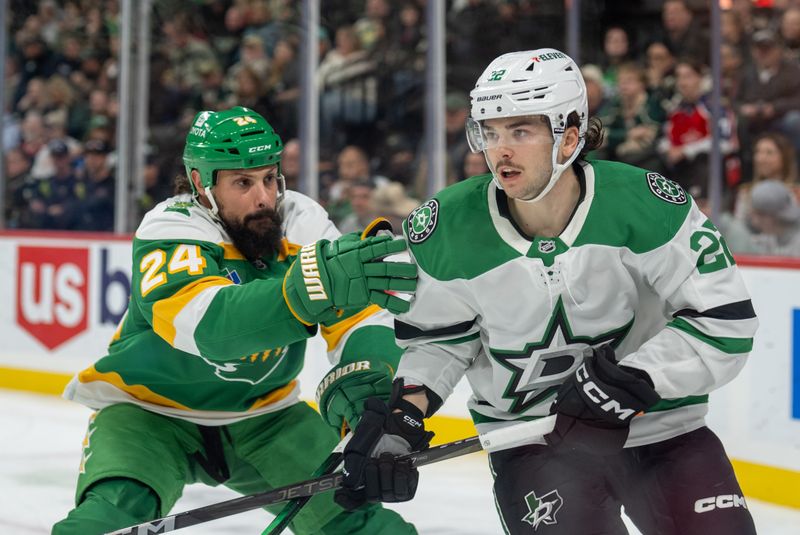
[731, 346]
[461, 340]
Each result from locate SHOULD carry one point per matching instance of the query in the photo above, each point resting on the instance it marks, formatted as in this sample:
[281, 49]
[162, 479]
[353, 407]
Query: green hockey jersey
[638, 266]
[208, 336]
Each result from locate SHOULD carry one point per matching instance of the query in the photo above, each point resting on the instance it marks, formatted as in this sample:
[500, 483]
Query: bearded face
[257, 234]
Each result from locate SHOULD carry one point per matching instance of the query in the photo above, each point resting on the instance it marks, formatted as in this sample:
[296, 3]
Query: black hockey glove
[595, 406]
[371, 470]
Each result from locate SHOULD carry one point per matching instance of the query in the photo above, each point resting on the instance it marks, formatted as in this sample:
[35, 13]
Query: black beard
[258, 235]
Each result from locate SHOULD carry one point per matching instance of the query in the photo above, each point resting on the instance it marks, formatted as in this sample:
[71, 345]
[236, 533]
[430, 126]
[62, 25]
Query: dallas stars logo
[542, 510]
[666, 189]
[538, 370]
[422, 221]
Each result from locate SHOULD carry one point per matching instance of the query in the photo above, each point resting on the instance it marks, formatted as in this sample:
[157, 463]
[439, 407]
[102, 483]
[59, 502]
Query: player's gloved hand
[342, 392]
[371, 469]
[595, 406]
[347, 273]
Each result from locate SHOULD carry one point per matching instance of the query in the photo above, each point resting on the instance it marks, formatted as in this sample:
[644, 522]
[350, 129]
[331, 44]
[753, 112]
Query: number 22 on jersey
[184, 258]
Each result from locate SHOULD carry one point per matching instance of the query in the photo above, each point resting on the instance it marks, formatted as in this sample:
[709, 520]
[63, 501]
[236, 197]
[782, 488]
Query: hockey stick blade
[309, 487]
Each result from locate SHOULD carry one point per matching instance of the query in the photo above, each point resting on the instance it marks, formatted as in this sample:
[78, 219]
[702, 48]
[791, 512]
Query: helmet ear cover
[237, 138]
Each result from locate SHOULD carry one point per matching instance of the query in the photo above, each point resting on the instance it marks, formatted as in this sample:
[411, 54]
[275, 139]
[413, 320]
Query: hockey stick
[290, 510]
[500, 439]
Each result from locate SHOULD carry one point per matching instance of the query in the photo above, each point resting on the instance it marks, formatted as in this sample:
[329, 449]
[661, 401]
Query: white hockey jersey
[638, 266]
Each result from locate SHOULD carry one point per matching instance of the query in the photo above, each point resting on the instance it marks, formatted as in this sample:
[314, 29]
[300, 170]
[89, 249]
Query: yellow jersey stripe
[230, 252]
[334, 333]
[140, 392]
[165, 310]
[274, 396]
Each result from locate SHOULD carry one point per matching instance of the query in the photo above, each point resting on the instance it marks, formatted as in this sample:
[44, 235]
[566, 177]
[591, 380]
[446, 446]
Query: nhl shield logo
[422, 221]
[547, 246]
[666, 189]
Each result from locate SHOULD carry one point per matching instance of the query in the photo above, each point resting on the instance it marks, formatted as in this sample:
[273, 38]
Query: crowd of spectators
[647, 74]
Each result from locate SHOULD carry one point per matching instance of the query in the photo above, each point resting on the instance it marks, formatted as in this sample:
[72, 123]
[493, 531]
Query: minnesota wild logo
[542, 510]
[182, 207]
[422, 221]
[666, 189]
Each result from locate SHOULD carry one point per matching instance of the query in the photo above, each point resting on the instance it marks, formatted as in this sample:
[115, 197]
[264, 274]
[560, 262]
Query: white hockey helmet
[533, 82]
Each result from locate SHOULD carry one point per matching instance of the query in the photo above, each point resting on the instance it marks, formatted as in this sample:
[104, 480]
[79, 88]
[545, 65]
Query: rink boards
[64, 294]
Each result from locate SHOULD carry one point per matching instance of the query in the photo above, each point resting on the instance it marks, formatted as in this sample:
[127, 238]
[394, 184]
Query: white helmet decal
[534, 82]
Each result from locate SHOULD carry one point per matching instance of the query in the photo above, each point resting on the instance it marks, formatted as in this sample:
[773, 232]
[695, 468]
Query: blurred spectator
[456, 113]
[157, 186]
[771, 90]
[596, 95]
[54, 200]
[346, 79]
[686, 144]
[616, 51]
[732, 73]
[682, 32]
[774, 158]
[391, 201]
[20, 186]
[290, 163]
[474, 165]
[97, 207]
[185, 53]
[36, 61]
[352, 166]
[251, 54]
[634, 120]
[733, 34]
[775, 214]
[282, 87]
[249, 92]
[34, 98]
[359, 196]
[371, 28]
[399, 159]
[790, 33]
[660, 69]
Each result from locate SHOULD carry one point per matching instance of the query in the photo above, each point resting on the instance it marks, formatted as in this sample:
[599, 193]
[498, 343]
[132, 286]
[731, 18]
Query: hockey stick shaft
[493, 441]
[290, 510]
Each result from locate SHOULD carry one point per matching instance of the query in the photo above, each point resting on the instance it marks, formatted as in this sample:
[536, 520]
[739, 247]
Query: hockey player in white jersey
[592, 290]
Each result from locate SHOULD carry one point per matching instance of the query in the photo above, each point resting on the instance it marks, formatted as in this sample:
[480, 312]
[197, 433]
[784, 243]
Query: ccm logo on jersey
[605, 402]
[725, 501]
[308, 263]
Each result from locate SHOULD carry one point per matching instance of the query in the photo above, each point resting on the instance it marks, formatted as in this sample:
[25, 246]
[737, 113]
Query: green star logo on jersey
[556, 356]
[422, 221]
[542, 510]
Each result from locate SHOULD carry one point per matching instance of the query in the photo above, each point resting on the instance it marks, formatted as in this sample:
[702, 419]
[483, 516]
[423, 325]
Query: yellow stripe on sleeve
[334, 333]
[165, 310]
[288, 249]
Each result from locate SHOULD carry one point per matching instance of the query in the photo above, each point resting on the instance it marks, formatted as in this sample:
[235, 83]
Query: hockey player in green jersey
[591, 290]
[199, 383]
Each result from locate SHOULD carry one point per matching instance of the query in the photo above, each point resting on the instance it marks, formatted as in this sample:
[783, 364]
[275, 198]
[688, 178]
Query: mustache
[508, 163]
[266, 213]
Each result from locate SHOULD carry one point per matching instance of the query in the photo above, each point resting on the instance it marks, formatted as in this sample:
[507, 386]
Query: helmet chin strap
[558, 169]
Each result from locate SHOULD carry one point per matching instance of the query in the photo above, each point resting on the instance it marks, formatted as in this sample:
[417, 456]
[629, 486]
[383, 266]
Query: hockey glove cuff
[342, 392]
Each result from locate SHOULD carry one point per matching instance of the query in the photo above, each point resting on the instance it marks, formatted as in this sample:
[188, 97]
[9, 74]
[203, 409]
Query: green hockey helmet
[237, 138]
